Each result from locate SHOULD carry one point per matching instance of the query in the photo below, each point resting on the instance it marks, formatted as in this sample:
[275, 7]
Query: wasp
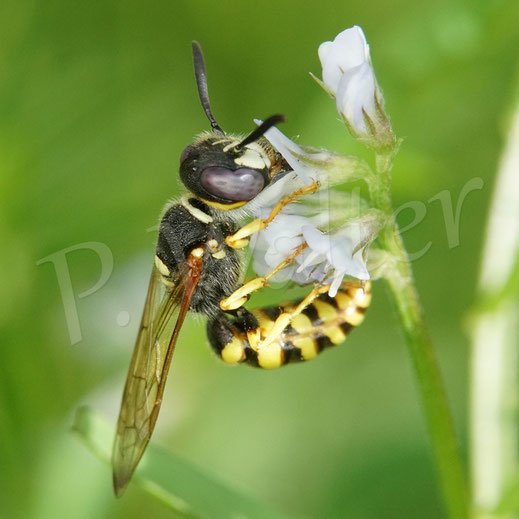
[198, 268]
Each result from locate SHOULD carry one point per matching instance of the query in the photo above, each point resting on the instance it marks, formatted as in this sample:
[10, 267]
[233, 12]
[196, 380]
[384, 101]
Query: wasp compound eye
[242, 184]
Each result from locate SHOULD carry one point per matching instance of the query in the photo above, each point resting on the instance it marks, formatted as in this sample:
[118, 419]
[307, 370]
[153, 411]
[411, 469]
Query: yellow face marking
[231, 143]
[353, 316]
[212, 244]
[233, 352]
[325, 311]
[261, 151]
[302, 323]
[307, 346]
[198, 252]
[219, 255]
[335, 334]
[161, 267]
[270, 356]
[253, 157]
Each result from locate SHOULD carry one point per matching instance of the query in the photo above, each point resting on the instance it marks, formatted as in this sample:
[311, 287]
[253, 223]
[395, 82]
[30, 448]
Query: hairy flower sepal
[348, 76]
[326, 167]
[336, 168]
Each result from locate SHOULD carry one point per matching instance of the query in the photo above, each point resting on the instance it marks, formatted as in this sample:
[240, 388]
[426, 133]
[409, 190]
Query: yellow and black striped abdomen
[325, 322]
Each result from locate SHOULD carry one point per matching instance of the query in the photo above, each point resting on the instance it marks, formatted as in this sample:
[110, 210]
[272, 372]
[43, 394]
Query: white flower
[325, 167]
[348, 75]
[261, 205]
[327, 258]
[342, 250]
[348, 51]
[355, 96]
[291, 152]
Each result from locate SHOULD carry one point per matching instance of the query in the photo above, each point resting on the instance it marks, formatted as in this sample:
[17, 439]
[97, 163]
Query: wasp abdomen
[325, 322]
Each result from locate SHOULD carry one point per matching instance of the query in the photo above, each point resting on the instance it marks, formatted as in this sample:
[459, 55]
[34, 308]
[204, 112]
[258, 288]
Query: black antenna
[261, 129]
[201, 83]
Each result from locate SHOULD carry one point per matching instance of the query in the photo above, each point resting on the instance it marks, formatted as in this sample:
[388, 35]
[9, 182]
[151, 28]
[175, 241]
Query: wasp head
[221, 169]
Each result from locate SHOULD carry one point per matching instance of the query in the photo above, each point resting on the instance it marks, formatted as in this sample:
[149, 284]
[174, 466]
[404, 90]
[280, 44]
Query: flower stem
[434, 400]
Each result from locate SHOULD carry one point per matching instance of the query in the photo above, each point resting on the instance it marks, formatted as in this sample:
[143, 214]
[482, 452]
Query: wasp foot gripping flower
[334, 237]
[334, 246]
[335, 227]
[349, 77]
[327, 257]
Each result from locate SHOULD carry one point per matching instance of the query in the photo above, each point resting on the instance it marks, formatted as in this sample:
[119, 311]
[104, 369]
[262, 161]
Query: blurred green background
[97, 101]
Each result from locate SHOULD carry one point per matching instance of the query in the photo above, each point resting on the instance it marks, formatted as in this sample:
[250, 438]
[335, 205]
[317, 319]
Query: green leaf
[177, 483]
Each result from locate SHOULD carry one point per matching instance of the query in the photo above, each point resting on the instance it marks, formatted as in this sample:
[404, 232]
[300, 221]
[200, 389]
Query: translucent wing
[164, 313]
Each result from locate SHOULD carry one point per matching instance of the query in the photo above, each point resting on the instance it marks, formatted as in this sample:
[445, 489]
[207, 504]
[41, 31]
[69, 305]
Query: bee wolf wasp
[198, 268]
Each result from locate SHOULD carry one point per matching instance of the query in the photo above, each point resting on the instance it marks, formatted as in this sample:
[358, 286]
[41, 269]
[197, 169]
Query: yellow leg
[240, 239]
[284, 319]
[239, 297]
[254, 338]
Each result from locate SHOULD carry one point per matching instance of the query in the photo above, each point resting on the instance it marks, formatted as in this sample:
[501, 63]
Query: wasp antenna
[201, 83]
[261, 129]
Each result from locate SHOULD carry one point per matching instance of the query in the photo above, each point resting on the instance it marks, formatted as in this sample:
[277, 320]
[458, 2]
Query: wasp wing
[164, 312]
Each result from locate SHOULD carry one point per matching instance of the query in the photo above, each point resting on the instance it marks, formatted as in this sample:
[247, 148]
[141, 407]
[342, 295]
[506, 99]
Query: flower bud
[349, 77]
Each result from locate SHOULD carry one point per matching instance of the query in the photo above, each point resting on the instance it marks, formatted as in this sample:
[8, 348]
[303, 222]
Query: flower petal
[348, 50]
[323, 51]
[360, 271]
[286, 147]
[312, 258]
[261, 205]
[334, 287]
[340, 252]
[356, 95]
[315, 239]
[284, 227]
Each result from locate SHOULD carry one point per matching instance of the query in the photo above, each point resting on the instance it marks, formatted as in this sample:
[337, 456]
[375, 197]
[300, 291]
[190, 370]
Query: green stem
[494, 386]
[434, 399]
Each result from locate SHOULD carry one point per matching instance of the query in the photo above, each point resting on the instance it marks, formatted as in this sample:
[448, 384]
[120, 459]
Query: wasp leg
[270, 351]
[239, 297]
[247, 322]
[240, 239]
[314, 326]
[285, 318]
